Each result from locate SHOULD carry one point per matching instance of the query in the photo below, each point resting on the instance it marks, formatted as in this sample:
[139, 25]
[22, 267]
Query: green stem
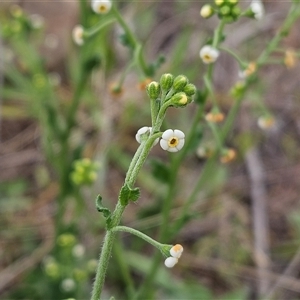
[131, 38]
[116, 217]
[103, 264]
[95, 29]
[233, 54]
[138, 234]
[142, 158]
[135, 45]
[216, 134]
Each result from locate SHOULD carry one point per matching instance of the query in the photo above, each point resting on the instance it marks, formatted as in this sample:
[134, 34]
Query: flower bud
[224, 10]
[190, 89]
[232, 2]
[180, 82]
[228, 155]
[153, 90]
[166, 81]
[206, 11]
[219, 2]
[179, 99]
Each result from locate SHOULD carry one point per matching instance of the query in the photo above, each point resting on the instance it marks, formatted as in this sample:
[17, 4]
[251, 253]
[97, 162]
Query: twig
[260, 217]
[291, 270]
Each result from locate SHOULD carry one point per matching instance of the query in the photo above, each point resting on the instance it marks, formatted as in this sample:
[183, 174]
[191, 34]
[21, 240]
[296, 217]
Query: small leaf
[104, 210]
[128, 194]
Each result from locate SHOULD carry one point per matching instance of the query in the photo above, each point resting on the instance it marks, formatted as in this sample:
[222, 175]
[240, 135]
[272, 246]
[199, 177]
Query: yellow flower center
[207, 57]
[173, 142]
[102, 8]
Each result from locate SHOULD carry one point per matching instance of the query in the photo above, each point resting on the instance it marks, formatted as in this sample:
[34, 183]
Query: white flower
[142, 131]
[266, 122]
[78, 250]
[209, 54]
[206, 11]
[258, 9]
[101, 6]
[68, 285]
[170, 262]
[176, 251]
[172, 140]
[77, 35]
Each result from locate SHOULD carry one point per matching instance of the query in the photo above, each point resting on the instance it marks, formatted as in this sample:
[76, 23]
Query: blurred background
[256, 194]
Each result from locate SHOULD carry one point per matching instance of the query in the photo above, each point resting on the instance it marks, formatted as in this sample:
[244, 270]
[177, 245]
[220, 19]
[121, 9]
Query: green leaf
[104, 210]
[128, 194]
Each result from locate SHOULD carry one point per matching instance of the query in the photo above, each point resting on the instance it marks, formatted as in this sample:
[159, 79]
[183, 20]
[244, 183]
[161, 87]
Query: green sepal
[128, 194]
[104, 210]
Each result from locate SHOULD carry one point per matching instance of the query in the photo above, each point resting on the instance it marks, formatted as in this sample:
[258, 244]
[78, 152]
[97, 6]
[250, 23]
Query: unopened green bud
[219, 2]
[153, 90]
[233, 2]
[180, 82]
[190, 89]
[224, 10]
[235, 11]
[166, 81]
[179, 100]
[206, 11]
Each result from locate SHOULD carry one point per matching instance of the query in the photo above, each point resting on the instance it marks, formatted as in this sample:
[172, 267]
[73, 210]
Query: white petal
[168, 134]
[170, 262]
[164, 144]
[180, 144]
[179, 134]
[140, 132]
[172, 149]
[176, 251]
[143, 130]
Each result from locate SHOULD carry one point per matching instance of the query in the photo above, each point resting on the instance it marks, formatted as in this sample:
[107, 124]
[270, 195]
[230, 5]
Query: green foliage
[128, 194]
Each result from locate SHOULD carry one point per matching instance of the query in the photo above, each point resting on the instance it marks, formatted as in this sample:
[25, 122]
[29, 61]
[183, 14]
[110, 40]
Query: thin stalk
[138, 234]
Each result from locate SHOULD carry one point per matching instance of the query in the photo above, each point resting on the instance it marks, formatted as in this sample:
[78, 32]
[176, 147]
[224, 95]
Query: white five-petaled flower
[77, 35]
[258, 9]
[142, 131]
[172, 140]
[101, 6]
[209, 54]
[175, 252]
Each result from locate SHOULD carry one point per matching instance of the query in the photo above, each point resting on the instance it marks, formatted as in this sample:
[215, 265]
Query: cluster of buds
[84, 172]
[170, 91]
[226, 9]
[21, 23]
[176, 91]
[175, 252]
